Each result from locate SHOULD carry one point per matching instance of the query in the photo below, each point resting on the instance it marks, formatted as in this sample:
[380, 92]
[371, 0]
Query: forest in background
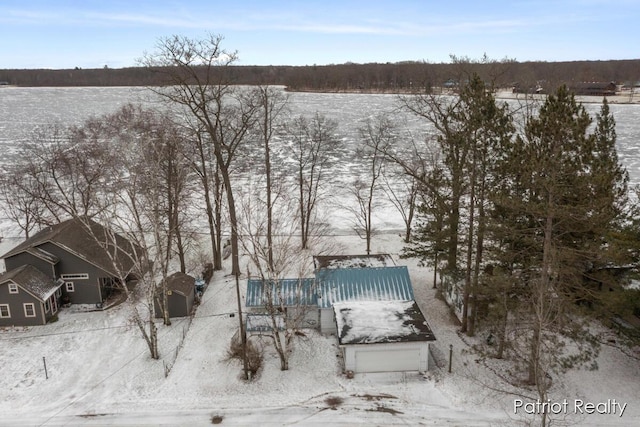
[351, 77]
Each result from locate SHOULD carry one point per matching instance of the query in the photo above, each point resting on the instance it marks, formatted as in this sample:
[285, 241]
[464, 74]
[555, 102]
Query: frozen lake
[23, 109]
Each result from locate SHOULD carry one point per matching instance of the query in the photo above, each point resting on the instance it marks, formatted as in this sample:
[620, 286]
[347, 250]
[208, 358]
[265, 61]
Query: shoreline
[619, 98]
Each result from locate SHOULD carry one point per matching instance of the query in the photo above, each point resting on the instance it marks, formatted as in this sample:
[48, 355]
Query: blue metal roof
[363, 284]
[293, 292]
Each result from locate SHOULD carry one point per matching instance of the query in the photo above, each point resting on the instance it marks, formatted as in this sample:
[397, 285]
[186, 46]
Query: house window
[13, 288]
[29, 309]
[59, 292]
[69, 286]
[46, 306]
[77, 276]
[4, 311]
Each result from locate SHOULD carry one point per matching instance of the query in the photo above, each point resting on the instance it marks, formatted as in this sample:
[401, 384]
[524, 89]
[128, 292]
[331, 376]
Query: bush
[255, 354]
[333, 402]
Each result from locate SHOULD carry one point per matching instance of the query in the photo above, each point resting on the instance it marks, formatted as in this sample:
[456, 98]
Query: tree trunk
[180, 248]
[303, 217]
[478, 259]
[502, 332]
[409, 221]
[435, 268]
[454, 221]
[540, 298]
[267, 168]
[470, 237]
[219, 189]
[243, 333]
[212, 230]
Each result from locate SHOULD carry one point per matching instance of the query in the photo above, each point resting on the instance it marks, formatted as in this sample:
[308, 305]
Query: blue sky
[116, 33]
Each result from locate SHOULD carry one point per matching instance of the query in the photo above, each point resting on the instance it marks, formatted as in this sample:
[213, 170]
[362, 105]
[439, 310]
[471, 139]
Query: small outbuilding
[180, 294]
[383, 336]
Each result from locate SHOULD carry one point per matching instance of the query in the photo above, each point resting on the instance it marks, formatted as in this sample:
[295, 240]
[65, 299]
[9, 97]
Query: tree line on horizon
[374, 77]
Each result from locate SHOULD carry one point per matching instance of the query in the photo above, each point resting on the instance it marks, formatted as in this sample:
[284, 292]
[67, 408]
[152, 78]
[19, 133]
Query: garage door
[388, 360]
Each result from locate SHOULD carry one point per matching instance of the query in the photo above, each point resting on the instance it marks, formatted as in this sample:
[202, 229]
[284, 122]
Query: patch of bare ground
[381, 408]
[372, 397]
[333, 402]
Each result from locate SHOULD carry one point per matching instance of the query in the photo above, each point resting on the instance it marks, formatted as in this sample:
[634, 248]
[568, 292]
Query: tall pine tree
[561, 195]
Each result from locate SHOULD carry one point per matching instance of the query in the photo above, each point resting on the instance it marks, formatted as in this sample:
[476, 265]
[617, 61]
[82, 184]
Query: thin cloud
[82, 18]
[290, 22]
[400, 28]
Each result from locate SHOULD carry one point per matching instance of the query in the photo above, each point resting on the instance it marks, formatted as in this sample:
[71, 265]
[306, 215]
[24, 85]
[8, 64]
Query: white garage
[383, 336]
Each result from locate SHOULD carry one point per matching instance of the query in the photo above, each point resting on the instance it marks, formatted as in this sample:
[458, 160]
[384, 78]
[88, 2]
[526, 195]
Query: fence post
[44, 362]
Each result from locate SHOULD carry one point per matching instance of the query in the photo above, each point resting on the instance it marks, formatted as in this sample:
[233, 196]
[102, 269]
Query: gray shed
[181, 290]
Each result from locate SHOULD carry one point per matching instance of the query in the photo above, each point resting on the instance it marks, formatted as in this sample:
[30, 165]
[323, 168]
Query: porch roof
[293, 292]
[32, 280]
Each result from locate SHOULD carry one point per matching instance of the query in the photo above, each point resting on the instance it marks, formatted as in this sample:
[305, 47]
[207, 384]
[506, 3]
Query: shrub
[333, 402]
[255, 354]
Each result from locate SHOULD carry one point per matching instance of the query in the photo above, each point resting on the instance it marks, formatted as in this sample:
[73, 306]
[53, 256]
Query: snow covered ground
[100, 373]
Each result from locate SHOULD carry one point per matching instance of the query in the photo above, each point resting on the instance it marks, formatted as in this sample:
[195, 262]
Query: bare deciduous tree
[313, 141]
[402, 191]
[375, 137]
[197, 78]
[287, 261]
[272, 104]
[19, 200]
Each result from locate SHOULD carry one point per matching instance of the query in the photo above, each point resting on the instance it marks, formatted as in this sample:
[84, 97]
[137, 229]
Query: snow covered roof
[181, 283]
[74, 237]
[381, 322]
[353, 261]
[44, 255]
[363, 284]
[31, 280]
[293, 292]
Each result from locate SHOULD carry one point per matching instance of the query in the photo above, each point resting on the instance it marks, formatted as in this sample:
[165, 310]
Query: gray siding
[327, 321]
[25, 258]
[16, 306]
[86, 291]
[179, 305]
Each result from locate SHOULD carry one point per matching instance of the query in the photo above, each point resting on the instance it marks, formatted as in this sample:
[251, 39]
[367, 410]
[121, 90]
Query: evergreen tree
[428, 240]
[469, 127]
[561, 195]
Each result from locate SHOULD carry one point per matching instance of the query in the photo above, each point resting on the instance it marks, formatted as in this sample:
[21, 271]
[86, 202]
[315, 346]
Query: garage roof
[363, 284]
[377, 322]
